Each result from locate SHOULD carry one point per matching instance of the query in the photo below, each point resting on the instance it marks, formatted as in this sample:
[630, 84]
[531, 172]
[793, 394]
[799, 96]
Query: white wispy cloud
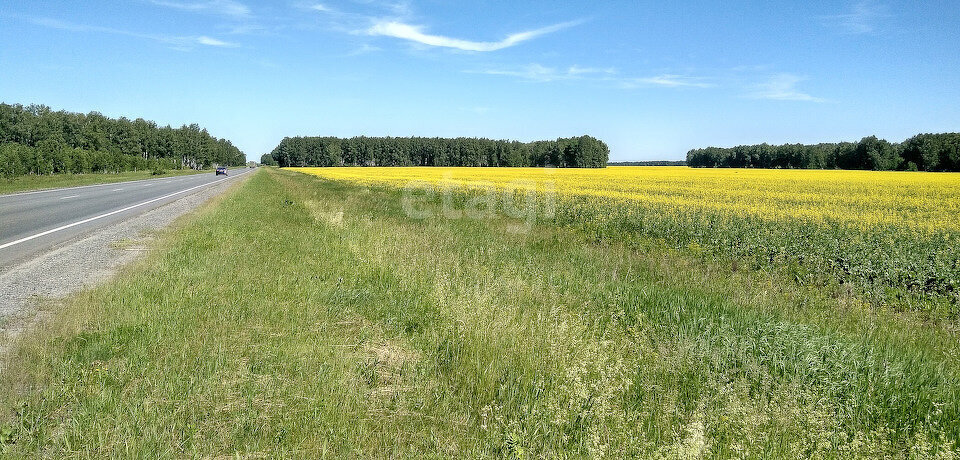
[69, 26]
[577, 70]
[607, 76]
[532, 72]
[188, 41]
[862, 18]
[667, 81]
[400, 9]
[244, 29]
[177, 41]
[541, 73]
[340, 20]
[220, 7]
[205, 40]
[364, 49]
[782, 87]
[414, 33]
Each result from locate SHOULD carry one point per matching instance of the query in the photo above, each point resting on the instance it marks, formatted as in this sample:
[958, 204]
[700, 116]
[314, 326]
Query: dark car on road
[221, 170]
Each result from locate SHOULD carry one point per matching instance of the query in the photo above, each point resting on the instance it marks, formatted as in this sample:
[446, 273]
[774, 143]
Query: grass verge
[305, 318]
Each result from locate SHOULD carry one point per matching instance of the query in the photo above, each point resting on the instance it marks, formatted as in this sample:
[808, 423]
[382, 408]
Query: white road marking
[68, 197]
[101, 216]
[116, 190]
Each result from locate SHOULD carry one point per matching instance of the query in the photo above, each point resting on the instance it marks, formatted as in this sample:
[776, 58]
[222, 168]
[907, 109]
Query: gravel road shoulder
[29, 290]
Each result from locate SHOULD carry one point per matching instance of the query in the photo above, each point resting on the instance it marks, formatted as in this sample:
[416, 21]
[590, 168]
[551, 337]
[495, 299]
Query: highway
[34, 222]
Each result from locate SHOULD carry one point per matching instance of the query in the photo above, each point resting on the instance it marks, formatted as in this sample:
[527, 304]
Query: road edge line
[101, 216]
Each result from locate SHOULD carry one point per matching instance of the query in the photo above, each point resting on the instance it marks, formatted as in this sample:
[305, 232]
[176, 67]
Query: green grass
[29, 183]
[891, 266]
[301, 318]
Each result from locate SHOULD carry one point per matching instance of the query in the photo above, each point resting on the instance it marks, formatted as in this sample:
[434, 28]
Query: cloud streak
[205, 40]
[861, 20]
[667, 81]
[577, 70]
[541, 73]
[609, 76]
[532, 72]
[220, 7]
[776, 87]
[782, 87]
[364, 49]
[414, 33]
[178, 41]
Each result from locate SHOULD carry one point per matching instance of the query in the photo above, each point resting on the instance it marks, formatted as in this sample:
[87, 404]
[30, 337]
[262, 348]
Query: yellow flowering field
[893, 236]
[921, 201]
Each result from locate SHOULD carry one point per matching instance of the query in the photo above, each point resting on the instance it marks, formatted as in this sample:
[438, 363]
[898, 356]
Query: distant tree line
[574, 152]
[923, 152]
[36, 140]
[647, 163]
[267, 160]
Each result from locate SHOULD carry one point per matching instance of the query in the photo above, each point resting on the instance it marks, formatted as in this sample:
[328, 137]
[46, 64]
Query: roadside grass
[299, 317]
[31, 183]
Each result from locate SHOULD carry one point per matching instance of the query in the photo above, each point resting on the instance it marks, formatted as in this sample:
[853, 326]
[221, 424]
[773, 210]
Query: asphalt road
[35, 222]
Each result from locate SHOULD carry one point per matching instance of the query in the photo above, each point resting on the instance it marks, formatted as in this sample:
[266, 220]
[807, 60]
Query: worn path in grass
[307, 318]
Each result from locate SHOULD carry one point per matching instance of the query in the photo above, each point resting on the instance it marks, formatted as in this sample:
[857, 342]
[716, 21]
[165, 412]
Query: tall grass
[305, 318]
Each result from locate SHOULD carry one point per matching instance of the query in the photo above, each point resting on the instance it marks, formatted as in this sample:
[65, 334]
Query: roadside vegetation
[309, 317]
[28, 183]
[37, 141]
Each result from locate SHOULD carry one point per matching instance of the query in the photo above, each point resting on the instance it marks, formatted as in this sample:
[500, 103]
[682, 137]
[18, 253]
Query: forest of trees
[36, 140]
[574, 152]
[923, 152]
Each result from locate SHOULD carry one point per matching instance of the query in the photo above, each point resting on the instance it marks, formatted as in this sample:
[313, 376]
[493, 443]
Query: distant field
[27, 183]
[371, 317]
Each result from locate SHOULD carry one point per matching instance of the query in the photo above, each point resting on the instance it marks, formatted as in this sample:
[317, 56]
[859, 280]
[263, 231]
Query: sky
[651, 79]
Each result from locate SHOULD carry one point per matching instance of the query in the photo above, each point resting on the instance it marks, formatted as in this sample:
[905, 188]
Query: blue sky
[652, 79]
